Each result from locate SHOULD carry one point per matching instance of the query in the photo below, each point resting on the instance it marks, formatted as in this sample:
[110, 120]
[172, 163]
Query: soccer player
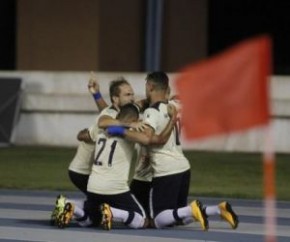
[121, 93]
[171, 169]
[141, 183]
[108, 182]
[80, 166]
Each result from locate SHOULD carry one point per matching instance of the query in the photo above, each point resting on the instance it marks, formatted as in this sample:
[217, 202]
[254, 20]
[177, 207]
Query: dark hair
[159, 79]
[129, 110]
[115, 87]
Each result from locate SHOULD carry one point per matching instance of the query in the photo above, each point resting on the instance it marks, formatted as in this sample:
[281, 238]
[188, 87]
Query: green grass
[221, 174]
[237, 175]
[35, 168]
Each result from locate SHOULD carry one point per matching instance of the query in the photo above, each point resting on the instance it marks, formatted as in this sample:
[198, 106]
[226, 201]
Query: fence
[56, 105]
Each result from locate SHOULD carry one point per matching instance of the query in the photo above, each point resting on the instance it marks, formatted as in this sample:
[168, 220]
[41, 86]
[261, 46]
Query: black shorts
[169, 192]
[125, 201]
[79, 180]
[141, 190]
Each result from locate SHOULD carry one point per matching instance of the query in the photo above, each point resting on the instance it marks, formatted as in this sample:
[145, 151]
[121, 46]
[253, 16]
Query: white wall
[56, 105]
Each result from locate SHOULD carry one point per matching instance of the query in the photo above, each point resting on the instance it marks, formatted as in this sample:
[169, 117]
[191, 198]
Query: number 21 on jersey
[102, 144]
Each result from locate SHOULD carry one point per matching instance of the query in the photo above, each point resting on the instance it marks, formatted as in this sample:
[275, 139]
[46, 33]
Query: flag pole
[269, 186]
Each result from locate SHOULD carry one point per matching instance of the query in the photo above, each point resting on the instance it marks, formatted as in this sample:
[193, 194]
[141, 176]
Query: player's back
[84, 157]
[110, 171]
[168, 158]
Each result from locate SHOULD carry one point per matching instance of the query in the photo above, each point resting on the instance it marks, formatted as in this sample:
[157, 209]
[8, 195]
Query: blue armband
[116, 130]
[97, 96]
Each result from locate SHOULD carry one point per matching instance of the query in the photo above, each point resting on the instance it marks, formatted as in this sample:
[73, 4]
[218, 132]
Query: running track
[24, 216]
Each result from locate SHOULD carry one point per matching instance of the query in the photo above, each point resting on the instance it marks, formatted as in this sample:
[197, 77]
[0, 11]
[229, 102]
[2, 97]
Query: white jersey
[84, 157]
[167, 159]
[94, 129]
[143, 168]
[110, 172]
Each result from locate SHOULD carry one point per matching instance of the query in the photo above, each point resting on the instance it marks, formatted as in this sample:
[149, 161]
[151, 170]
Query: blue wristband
[116, 130]
[97, 96]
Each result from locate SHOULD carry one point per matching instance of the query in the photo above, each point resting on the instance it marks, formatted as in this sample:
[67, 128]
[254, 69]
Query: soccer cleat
[199, 214]
[107, 216]
[58, 209]
[65, 217]
[228, 214]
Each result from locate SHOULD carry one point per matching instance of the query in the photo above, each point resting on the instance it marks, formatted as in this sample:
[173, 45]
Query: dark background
[231, 21]
[228, 21]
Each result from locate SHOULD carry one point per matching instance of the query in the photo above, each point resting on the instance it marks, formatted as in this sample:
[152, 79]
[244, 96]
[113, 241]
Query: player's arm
[105, 121]
[143, 138]
[162, 138]
[84, 135]
[94, 89]
[147, 137]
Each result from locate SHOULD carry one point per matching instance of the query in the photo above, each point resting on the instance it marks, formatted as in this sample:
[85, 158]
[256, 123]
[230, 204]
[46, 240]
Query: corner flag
[228, 92]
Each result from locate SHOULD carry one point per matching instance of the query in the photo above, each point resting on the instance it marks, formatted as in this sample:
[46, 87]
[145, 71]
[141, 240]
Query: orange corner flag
[228, 92]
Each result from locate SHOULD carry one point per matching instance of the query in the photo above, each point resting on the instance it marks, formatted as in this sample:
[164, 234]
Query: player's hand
[172, 112]
[144, 167]
[138, 126]
[84, 135]
[174, 97]
[93, 84]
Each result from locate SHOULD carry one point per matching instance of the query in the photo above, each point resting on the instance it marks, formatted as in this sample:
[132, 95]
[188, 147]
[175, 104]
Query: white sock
[77, 202]
[78, 207]
[184, 212]
[166, 217]
[188, 220]
[85, 223]
[212, 210]
[78, 212]
[137, 222]
[119, 215]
